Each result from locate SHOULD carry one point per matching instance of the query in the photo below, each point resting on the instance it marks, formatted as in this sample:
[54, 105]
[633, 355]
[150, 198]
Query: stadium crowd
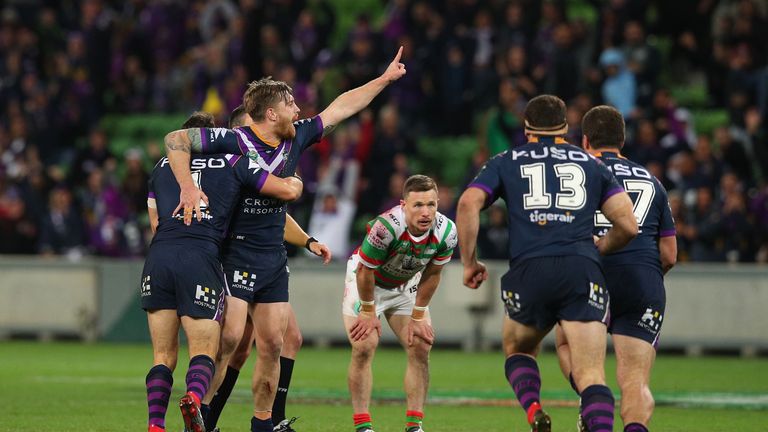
[472, 65]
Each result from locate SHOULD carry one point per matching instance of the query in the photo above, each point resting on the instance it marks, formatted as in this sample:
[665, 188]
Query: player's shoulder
[305, 121]
[445, 229]
[394, 220]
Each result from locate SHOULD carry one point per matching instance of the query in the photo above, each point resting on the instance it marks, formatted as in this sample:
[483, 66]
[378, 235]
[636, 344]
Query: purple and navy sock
[278, 407]
[258, 425]
[199, 375]
[221, 396]
[573, 384]
[635, 427]
[159, 382]
[597, 408]
[523, 375]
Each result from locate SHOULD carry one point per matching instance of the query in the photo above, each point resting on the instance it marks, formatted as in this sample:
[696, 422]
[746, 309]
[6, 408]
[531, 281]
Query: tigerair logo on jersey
[512, 301]
[244, 280]
[543, 218]
[597, 296]
[651, 320]
[146, 288]
[205, 297]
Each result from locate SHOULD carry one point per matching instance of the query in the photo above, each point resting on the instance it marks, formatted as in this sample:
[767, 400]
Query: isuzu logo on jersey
[544, 152]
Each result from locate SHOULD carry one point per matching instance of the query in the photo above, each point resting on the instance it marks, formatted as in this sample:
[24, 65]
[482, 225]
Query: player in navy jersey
[174, 295]
[552, 190]
[236, 347]
[273, 142]
[634, 275]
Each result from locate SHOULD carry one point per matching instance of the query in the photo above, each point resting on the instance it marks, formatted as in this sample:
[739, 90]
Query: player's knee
[270, 346]
[229, 342]
[419, 351]
[363, 351]
[166, 357]
[292, 341]
[239, 357]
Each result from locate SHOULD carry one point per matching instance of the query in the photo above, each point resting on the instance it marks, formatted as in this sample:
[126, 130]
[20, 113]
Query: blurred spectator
[61, 230]
[493, 238]
[96, 156]
[620, 87]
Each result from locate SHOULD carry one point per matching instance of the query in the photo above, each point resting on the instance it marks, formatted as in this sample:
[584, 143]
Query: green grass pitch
[76, 387]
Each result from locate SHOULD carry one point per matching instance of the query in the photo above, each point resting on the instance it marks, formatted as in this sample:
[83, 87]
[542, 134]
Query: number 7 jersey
[552, 190]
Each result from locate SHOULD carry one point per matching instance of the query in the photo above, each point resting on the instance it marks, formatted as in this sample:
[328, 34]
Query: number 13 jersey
[552, 190]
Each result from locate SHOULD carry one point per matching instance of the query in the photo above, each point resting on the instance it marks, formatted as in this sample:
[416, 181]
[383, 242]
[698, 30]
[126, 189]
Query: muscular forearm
[365, 283]
[178, 146]
[353, 101]
[294, 234]
[468, 226]
[427, 287]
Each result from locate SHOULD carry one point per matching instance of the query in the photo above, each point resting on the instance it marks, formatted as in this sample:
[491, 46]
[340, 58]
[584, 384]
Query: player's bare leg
[292, 342]
[360, 374]
[164, 331]
[634, 360]
[521, 345]
[203, 339]
[232, 328]
[269, 321]
[587, 342]
[564, 356]
[416, 382]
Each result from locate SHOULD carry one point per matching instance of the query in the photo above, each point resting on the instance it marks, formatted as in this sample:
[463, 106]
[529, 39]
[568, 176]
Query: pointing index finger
[399, 54]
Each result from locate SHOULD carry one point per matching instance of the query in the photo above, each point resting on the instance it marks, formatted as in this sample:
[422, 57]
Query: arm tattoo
[173, 142]
[328, 129]
[196, 139]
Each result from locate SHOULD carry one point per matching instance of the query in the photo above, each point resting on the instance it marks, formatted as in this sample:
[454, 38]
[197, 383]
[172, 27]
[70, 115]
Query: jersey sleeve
[375, 248]
[151, 198]
[666, 222]
[308, 131]
[489, 179]
[609, 186]
[447, 244]
[221, 140]
[247, 172]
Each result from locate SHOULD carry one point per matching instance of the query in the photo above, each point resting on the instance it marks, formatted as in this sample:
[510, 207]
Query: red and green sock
[413, 419]
[362, 420]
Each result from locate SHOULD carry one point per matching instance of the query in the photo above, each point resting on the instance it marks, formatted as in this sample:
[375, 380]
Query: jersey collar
[615, 153]
[546, 139]
[269, 143]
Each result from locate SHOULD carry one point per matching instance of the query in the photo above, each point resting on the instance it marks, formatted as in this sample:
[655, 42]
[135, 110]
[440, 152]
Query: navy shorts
[541, 291]
[263, 280]
[638, 300]
[186, 278]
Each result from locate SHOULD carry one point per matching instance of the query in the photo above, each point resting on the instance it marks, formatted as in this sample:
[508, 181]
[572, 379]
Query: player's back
[552, 190]
[216, 177]
[651, 208]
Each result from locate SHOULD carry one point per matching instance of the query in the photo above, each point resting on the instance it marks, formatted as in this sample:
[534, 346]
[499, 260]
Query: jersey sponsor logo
[205, 297]
[146, 287]
[543, 218]
[378, 239]
[512, 301]
[545, 152]
[393, 219]
[244, 279]
[200, 164]
[651, 320]
[596, 296]
[622, 170]
[262, 206]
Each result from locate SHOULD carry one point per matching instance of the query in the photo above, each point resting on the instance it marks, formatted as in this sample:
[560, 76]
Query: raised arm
[296, 236]
[618, 210]
[353, 101]
[468, 225]
[178, 146]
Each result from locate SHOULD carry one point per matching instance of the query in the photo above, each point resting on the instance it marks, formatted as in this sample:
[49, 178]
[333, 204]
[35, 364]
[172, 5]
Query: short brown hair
[418, 183]
[603, 126]
[236, 117]
[545, 115]
[199, 119]
[263, 94]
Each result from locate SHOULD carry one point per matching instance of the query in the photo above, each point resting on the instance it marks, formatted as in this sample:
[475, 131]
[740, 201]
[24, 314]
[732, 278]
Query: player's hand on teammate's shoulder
[365, 323]
[321, 250]
[474, 275]
[395, 70]
[420, 329]
[189, 200]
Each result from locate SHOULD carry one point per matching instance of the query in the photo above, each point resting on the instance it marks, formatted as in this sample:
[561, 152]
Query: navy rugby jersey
[552, 190]
[651, 208]
[221, 177]
[259, 221]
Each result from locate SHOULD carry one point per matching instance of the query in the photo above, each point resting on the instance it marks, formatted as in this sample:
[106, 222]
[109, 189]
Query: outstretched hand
[395, 70]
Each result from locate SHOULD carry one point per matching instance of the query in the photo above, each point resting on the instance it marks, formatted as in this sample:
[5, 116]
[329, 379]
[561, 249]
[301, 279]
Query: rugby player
[552, 190]
[235, 348]
[255, 259]
[395, 272]
[634, 275]
[182, 281]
